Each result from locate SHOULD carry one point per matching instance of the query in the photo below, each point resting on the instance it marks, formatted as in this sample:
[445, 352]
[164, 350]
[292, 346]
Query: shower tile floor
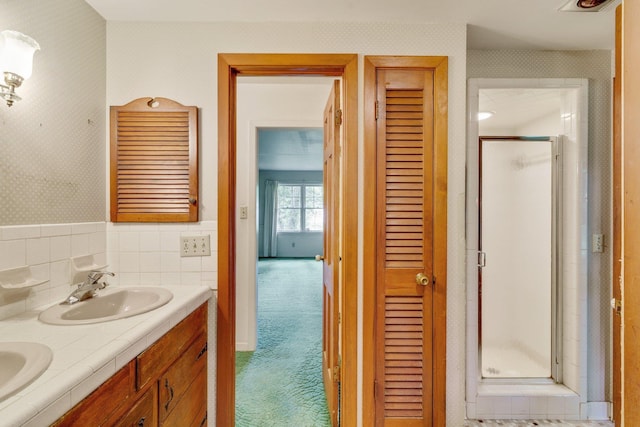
[529, 423]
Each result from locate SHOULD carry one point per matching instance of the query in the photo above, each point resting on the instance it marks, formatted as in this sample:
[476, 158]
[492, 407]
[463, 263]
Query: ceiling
[290, 149]
[492, 24]
[516, 108]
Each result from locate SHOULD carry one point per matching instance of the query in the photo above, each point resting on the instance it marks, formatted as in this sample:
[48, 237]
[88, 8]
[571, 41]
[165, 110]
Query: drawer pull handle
[141, 422]
[203, 351]
[170, 390]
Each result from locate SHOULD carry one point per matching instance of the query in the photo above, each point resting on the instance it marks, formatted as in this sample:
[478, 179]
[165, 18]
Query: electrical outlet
[244, 212]
[597, 243]
[195, 245]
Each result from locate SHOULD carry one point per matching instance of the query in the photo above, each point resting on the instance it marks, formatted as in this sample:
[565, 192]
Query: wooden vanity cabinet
[166, 385]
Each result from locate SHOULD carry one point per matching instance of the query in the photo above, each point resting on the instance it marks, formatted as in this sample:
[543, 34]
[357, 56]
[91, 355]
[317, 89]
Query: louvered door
[404, 383]
[154, 162]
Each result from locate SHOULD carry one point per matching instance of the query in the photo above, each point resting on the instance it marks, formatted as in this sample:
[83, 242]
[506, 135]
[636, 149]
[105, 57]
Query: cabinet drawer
[142, 414]
[177, 379]
[188, 412]
[157, 358]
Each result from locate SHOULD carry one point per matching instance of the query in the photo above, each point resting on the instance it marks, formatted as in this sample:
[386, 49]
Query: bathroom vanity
[145, 370]
[164, 385]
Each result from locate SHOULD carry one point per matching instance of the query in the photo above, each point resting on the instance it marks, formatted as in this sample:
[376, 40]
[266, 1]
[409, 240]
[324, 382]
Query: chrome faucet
[88, 288]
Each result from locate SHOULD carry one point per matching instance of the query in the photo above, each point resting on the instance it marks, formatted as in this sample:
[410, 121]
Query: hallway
[280, 383]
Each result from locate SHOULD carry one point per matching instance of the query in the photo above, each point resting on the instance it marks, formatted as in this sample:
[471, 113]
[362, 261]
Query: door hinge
[336, 370]
[616, 304]
[338, 117]
[339, 318]
[377, 109]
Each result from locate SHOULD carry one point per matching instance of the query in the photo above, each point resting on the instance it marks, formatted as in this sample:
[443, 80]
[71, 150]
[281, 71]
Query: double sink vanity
[132, 355]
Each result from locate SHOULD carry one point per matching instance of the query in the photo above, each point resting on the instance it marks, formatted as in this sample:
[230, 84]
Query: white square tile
[129, 241]
[129, 262]
[13, 253]
[150, 279]
[79, 244]
[555, 406]
[170, 262]
[169, 241]
[97, 242]
[13, 232]
[149, 241]
[150, 261]
[84, 227]
[59, 247]
[37, 251]
[50, 230]
[538, 405]
[191, 264]
[520, 405]
[190, 278]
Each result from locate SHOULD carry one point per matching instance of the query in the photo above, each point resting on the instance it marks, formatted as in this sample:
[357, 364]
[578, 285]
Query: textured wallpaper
[52, 143]
[595, 66]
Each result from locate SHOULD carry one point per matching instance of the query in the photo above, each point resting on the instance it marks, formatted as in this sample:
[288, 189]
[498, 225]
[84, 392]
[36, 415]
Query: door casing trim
[229, 67]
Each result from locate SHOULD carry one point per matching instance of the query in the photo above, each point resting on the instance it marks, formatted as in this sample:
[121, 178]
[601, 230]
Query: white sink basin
[109, 304]
[20, 364]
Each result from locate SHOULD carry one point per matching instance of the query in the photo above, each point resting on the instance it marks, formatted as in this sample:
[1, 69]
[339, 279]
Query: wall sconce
[16, 62]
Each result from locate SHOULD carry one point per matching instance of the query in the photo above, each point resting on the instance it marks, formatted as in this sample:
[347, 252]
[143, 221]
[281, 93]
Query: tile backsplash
[149, 254]
[139, 254]
[46, 249]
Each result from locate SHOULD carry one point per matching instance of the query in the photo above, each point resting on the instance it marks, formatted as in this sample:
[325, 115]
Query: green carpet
[280, 384]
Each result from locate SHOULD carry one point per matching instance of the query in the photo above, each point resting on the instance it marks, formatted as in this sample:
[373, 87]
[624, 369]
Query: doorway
[230, 66]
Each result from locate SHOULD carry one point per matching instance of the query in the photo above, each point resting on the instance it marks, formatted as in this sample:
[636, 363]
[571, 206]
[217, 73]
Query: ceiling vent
[585, 5]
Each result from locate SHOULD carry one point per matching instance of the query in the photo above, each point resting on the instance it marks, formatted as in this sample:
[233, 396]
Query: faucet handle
[96, 275]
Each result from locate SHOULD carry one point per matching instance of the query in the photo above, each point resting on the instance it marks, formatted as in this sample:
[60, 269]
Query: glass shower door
[518, 209]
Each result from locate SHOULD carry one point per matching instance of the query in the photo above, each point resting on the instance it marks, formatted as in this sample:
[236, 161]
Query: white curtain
[269, 234]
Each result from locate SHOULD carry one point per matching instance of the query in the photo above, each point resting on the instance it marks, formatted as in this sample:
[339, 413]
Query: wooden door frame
[230, 66]
[617, 222]
[439, 64]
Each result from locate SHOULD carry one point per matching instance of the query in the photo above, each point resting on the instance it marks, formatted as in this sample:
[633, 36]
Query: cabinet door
[107, 400]
[175, 382]
[144, 413]
[188, 410]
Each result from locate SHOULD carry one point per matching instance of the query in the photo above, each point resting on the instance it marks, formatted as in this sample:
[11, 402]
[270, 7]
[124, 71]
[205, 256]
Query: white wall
[52, 142]
[178, 61]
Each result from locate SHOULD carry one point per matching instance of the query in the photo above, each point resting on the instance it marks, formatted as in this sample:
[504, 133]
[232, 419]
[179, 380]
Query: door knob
[319, 258]
[422, 279]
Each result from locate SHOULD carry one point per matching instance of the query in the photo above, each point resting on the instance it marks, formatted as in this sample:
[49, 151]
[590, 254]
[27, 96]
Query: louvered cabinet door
[154, 162]
[404, 383]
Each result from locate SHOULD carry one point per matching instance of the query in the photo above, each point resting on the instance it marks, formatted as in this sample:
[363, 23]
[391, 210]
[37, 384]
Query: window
[299, 208]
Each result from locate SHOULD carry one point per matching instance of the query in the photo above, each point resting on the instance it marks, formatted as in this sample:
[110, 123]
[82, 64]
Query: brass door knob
[319, 258]
[422, 279]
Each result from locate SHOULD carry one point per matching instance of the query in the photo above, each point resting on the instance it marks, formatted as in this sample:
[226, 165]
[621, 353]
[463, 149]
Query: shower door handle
[482, 259]
[422, 279]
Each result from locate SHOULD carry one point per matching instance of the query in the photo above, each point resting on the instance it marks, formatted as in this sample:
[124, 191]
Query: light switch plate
[195, 245]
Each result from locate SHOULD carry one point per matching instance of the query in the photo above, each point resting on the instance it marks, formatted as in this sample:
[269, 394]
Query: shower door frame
[556, 262]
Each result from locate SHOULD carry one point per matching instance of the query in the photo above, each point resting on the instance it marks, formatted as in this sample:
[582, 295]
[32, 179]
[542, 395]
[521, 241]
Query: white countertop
[84, 356]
